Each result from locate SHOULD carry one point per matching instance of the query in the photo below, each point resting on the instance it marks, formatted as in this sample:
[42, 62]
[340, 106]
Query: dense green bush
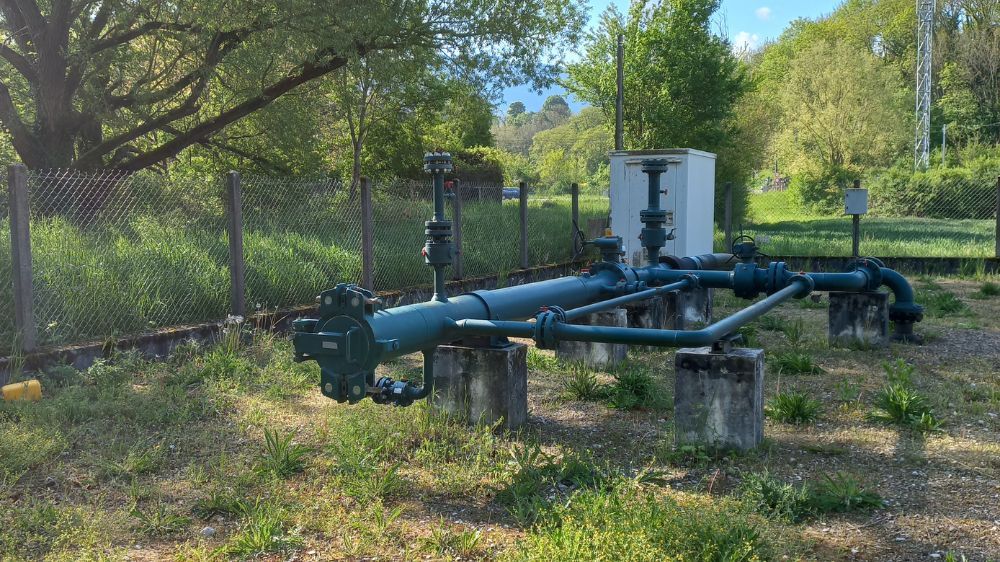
[823, 191]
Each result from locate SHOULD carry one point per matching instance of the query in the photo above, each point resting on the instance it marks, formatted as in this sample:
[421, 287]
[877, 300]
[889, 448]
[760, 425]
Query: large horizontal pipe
[609, 304]
[562, 331]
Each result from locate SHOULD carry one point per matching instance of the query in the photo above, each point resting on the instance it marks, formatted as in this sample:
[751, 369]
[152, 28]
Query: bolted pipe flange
[872, 268]
[744, 282]
[692, 279]
[655, 165]
[808, 284]
[437, 163]
[545, 322]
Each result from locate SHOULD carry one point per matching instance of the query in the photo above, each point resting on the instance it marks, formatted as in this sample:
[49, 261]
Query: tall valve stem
[654, 235]
[438, 250]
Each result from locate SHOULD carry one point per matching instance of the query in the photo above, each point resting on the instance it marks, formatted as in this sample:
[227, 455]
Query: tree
[515, 110]
[584, 137]
[681, 81]
[376, 89]
[92, 83]
[844, 113]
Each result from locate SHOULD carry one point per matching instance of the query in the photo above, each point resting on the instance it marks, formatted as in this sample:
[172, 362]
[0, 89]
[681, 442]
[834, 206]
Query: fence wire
[300, 236]
[491, 239]
[117, 254]
[925, 215]
[399, 209]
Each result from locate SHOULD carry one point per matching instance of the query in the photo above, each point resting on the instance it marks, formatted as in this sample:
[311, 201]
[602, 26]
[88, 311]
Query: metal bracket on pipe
[726, 343]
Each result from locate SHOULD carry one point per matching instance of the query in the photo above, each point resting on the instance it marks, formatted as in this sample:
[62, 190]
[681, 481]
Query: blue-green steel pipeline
[609, 304]
[562, 331]
[352, 336]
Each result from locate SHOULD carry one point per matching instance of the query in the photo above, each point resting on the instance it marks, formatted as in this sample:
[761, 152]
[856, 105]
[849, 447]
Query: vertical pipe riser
[653, 236]
[438, 251]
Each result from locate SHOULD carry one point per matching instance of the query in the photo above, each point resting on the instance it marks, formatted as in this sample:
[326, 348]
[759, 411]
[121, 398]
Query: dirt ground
[942, 490]
[138, 463]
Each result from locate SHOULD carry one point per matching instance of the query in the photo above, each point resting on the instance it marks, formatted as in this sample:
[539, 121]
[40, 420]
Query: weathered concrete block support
[689, 309]
[596, 354]
[676, 310]
[482, 384]
[719, 398]
[859, 319]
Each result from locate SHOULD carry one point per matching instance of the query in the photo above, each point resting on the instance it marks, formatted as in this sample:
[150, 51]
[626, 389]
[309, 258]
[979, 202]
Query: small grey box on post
[482, 384]
[596, 354]
[859, 319]
[719, 398]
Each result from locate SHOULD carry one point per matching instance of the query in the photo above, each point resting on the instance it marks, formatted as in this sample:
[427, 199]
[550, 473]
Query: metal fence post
[20, 252]
[367, 237]
[574, 190]
[237, 267]
[456, 237]
[856, 229]
[728, 224]
[523, 203]
[998, 218]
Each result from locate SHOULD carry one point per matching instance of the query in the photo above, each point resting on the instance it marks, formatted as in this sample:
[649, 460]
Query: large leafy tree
[92, 83]
[681, 80]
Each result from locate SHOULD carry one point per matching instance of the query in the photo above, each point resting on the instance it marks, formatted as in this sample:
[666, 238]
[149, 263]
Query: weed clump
[899, 403]
[837, 493]
[282, 456]
[634, 388]
[793, 407]
[902, 405]
[795, 363]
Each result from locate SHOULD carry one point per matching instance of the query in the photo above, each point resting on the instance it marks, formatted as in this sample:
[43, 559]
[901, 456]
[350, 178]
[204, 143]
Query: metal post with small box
[856, 204]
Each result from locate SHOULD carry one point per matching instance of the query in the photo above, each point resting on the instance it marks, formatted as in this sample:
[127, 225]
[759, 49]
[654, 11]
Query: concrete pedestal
[482, 384]
[859, 319]
[719, 398]
[688, 310]
[676, 310]
[595, 354]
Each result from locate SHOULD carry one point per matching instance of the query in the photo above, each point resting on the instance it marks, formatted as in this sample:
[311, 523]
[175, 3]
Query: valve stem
[438, 250]
[654, 236]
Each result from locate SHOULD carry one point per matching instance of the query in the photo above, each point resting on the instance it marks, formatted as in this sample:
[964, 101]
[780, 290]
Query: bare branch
[24, 141]
[112, 41]
[171, 148]
[19, 62]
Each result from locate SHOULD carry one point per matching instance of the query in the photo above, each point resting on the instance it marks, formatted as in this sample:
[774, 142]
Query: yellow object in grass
[27, 390]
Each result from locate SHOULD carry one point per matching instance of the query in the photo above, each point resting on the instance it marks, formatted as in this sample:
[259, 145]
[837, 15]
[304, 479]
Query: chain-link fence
[116, 254]
[299, 236]
[923, 215]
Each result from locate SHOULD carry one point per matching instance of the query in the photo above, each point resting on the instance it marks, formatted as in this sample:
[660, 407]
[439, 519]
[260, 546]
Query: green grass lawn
[782, 227]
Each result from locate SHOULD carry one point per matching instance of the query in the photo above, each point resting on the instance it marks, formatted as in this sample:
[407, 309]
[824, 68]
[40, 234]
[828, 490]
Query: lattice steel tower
[925, 39]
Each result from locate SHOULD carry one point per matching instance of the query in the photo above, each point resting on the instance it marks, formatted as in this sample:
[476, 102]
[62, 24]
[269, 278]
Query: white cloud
[763, 13]
[745, 42]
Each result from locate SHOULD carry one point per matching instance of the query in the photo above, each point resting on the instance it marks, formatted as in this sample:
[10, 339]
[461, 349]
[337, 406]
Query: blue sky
[745, 22]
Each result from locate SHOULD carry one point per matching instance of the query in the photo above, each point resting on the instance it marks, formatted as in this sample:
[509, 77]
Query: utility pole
[925, 39]
[620, 96]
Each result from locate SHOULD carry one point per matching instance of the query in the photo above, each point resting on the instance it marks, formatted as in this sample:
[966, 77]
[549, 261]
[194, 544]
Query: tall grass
[784, 227]
[165, 261]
